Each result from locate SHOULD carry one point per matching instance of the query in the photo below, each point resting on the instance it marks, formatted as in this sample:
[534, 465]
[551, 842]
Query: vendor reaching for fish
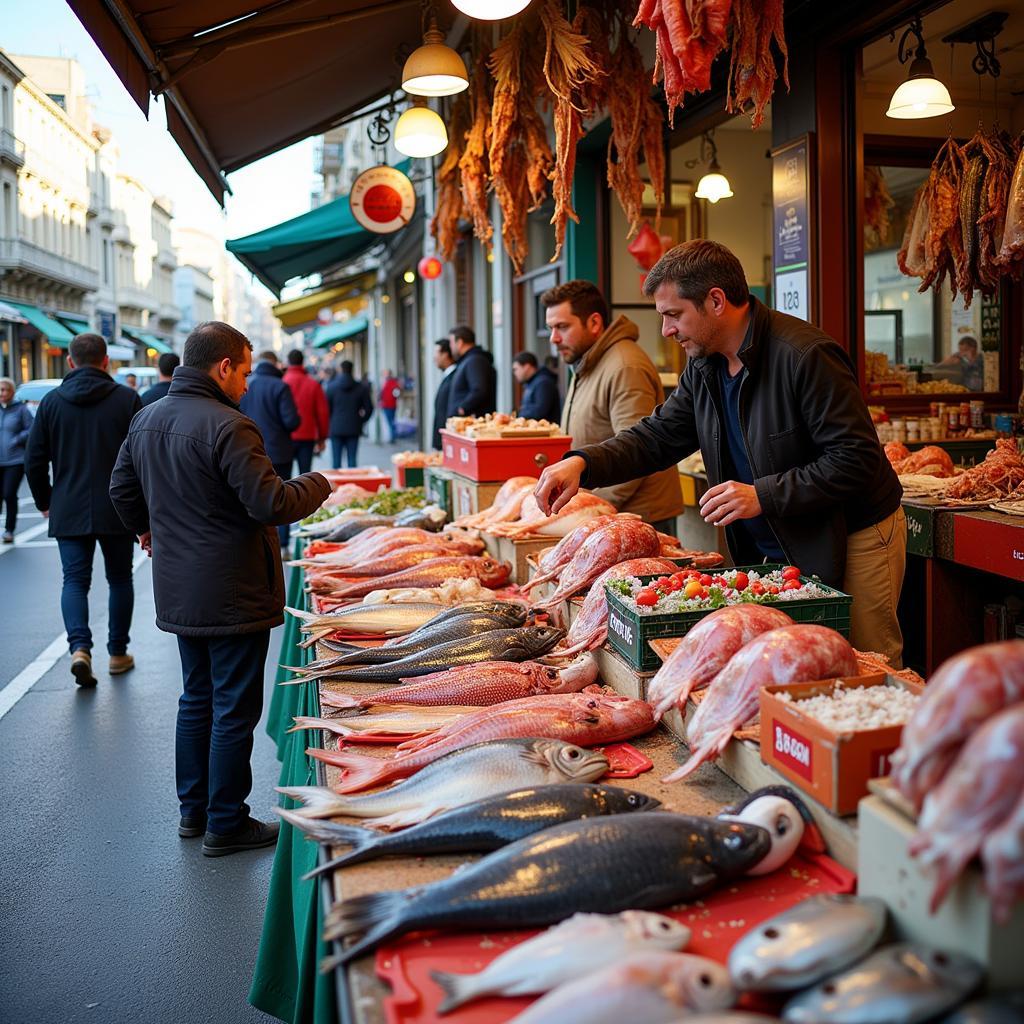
[797, 473]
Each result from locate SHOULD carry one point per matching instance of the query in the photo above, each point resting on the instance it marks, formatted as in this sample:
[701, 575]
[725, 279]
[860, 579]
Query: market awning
[146, 339]
[9, 313]
[242, 80]
[348, 294]
[329, 334]
[74, 324]
[57, 334]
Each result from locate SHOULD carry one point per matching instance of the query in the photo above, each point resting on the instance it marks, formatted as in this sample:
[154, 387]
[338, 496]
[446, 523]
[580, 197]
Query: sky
[265, 193]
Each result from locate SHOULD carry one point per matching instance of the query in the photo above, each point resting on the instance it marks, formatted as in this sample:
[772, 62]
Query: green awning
[57, 334]
[339, 331]
[75, 324]
[146, 339]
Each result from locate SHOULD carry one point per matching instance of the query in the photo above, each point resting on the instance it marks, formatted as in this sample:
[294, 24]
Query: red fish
[433, 573]
[556, 558]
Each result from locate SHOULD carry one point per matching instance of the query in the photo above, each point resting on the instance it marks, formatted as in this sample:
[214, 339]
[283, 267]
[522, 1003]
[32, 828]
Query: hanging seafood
[878, 204]
[473, 165]
[451, 207]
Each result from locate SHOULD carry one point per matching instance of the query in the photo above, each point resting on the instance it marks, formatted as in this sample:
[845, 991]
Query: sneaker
[191, 828]
[8, 537]
[253, 835]
[120, 663]
[81, 668]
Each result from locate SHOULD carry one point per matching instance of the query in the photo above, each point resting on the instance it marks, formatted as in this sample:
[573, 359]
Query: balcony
[12, 149]
[23, 259]
[166, 259]
[168, 314]
[130, 297]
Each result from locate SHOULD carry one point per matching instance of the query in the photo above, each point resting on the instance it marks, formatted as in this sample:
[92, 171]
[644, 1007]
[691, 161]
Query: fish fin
[342, 700]
[329, 831]
[318, 801]
[374, 916]
[453, 986]
[361, 771]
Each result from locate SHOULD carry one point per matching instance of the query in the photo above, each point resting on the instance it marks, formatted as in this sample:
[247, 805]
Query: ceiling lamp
[434, 69]
[491, 10]
[922, 94]
[420, 132]
[714, 185]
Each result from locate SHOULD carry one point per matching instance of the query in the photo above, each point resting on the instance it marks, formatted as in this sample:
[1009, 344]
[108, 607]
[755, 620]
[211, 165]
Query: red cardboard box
[501, 458]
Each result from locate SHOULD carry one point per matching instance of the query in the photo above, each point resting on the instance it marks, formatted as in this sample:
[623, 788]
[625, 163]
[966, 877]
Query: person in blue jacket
[541, 400]
[350, 404]
[15, 423]
[474, 383]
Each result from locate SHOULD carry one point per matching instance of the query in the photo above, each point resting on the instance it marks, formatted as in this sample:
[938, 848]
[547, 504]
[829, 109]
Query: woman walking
[15, 423]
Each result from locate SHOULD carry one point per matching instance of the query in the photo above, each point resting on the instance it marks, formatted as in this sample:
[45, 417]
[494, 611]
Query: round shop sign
[382, 200]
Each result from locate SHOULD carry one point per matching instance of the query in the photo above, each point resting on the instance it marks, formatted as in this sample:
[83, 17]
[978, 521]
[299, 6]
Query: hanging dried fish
[473, 164]
[943, 246]
[878, 204]
[752, 73]
[1011, 248]
[911, 257]
[451, 208]
[972, 186]
[1002, 157]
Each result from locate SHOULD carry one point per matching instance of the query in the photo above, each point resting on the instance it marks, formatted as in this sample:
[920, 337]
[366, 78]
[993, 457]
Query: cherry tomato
[742, 581]
[704, 592]
[646, 598]
[679, 577]
[757, 588]
[792, 585]
[791, 572]
[674, 584]
[772, 589]
[705, 580]
[662, 584]
[719, 581]
[692, 589]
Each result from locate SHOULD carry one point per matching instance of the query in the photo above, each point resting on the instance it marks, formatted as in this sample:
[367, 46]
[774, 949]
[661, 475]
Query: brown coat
[615, 386]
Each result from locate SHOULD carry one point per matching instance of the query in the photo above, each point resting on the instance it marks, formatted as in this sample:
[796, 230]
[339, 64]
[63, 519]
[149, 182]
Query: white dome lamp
[420, 132]
[922, 94]
[714, 185]
[434, 69]
[491, 10]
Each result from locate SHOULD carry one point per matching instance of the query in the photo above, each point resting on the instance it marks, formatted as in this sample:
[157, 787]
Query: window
[6, 120]
[106, 261]
[7, 227]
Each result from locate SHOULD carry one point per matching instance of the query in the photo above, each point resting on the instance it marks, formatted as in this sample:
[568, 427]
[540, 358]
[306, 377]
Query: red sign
[989, 545]
[382, 200]
[430, 268]
[881, 765]
[382, 204]
[793, 750]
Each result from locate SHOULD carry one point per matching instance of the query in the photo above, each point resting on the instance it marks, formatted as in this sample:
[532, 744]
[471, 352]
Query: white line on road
[51, 543]
[26, 535]
[33, 672]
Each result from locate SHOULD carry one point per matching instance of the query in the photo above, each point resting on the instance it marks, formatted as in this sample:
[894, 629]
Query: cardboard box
[832, 767]
[472, 496]
[518, 552]
[501, 458]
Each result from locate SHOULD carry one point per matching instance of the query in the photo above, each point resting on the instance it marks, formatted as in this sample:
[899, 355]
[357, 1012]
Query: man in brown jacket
[614, 386]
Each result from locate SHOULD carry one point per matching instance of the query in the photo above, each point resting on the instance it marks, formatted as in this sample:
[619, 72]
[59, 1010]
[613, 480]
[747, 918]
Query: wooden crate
[472, 496]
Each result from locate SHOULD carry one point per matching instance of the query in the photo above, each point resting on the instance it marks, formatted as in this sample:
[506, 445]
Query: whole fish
[706, 650]
[901, 984]
[557, 558]
[357, 525]
[784, 816]
[404, 557]
[505, 506]
[1002, 854]
[582, 718]
[480, 771]
[433, 572]
[532, 522]
[400, 721]
[482, 683]
[543, 879]
[431, 518]
[1007, 1008]
[792, 654]
[582, 945]
[651, 987]
[372, 542]
[819, 936]
[380, 619]
[479, 827]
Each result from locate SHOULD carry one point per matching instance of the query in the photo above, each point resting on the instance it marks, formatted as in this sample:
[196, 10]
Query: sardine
[817, 937]
[466, 775]
[901, 984]
[543, 879]
[582, 945]
[478, 827]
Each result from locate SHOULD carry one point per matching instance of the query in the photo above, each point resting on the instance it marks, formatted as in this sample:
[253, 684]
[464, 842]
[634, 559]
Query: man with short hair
[131, 381]
[193, 480]
[540, 400]
[165, 367]
[445, 362]
[474, 383]
[78, 429]
[351, 405]
[311, 434]
[796, 470]
[614, 385]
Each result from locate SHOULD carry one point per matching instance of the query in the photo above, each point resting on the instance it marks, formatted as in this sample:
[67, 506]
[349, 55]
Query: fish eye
[941, 959]
[782, 824]
[828, 988]
[733, 841]
[771, 933]
[666, 926]
[573, 754]
[632, 799]
[705, 980]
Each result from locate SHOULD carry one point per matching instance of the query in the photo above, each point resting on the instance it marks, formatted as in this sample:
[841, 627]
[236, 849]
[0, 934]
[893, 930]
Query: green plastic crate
[437, 484]
[630, 633]
[410, 476]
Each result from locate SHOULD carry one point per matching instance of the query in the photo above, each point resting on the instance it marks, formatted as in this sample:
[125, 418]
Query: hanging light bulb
[420, 132]
[714, 185]
[491, 10]
[434, 69]
[922, 94]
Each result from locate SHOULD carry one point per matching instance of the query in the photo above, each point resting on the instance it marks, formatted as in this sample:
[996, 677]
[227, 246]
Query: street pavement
[106, 916]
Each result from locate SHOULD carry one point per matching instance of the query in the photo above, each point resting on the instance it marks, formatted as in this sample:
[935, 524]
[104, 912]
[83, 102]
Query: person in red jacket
[311, 402]
[388, 400]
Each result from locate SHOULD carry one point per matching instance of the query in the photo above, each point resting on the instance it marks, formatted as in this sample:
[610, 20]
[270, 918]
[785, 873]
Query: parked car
[32, 392]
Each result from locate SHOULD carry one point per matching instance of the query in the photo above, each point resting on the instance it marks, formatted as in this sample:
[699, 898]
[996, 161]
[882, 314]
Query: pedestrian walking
[390, 389]
[15, 424]
[269, 403]
[131, 380]
[474, 384]
[76, 434]
[193, 480]
[541, 400]
[350, 404]
[311, 434]
[165, 367]
[445, 362]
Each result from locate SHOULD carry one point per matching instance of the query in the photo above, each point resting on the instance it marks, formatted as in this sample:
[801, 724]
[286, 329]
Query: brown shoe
[121, 663]
[81, 668]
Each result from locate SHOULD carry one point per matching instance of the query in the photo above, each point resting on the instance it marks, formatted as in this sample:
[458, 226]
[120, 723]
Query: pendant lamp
[434, 69]
[922, 94]
[420, 132]
[491, 10]
[714, 185]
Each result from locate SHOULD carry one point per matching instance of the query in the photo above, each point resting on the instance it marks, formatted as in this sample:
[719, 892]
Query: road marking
[35, 670]
[51, 543]
[26, 535]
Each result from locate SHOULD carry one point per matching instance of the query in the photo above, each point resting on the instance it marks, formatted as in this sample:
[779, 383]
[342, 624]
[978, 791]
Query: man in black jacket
[79, 428]
[350, 405]
[474, 383]
[193, 480]
[444, 361]
[540, 400]
[165, 367]
[796, 469]
[269, 403]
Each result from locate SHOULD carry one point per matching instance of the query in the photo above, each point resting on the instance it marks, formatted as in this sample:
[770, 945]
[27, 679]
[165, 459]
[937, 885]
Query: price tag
[791, 293]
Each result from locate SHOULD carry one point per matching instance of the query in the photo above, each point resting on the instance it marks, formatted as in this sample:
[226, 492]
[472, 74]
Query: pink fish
[506, 505]
[534, 523]
[556, 558]
[401, 558]
[1003, 857]
[432, 573]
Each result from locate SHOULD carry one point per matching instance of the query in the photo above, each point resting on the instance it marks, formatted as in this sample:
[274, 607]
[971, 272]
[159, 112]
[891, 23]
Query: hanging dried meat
[878, 204]
[752, 72]
[943, 244]
[450, 207]
[473, 165]
[1011, 249]
[911, 256]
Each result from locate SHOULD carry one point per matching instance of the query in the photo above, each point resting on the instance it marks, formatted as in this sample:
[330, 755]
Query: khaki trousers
[876, 559]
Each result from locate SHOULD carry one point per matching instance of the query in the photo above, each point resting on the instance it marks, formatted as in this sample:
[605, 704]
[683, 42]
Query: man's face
[6, 392]
[456, 344]
[131, 380]
[441, 358]
[967, 351]
[521, 372]
[234, 380]
[571, 336]
[689, 324]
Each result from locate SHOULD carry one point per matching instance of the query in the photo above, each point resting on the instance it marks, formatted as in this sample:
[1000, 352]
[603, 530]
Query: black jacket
[819, 470]
[444, 390]
[474, 384]
[541, 400]
[156, 392]
[269, 403]
[79, 428]
[350, 404]
[194, 471]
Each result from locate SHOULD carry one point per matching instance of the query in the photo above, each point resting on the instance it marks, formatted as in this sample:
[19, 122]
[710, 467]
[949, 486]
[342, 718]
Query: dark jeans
[284, 471]
[342, 443]
[76, 555]
[389, 416]
[304, 455]
[218, 711]
[10, 481]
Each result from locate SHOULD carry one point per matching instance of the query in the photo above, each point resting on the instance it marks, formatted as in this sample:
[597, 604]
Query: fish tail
[330, 724]
[375, 916]
[342, 700]
[297, 680]
[317, 801]
[300, 614]
[455, 990]
[360, 771]
[707, 751]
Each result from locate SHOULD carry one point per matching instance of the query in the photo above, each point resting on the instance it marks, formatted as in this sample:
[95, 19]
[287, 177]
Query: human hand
[46, 513]
[319, 447]
[558, 484]
[726, 503]
[146, 542]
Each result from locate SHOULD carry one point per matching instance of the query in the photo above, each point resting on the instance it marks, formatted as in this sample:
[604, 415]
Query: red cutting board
[717, 924]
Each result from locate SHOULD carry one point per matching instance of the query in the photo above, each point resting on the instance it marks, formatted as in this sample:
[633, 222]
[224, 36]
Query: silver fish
[901, 984]
[802, 945]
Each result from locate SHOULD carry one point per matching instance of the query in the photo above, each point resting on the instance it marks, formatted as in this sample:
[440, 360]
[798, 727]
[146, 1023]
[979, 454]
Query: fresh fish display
[582, 945]
[784, 816]
[378, 620]
[975, 796]
[706, 650]
[431, 518]
[506, 505]
[378, 541]
[819, 936]
[967, 690]
[651, 987]
[901, 984]
[394, 720]
[583, 718]
[472, 774]
[533, 523]
[576, 867]
[1007, 1008]
[433, 572]
[1002, 855]
[792, 654]
[482, 683]
[448, 594]
[507, 613]
[321, 578]
[558, 557]
[478, 827]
